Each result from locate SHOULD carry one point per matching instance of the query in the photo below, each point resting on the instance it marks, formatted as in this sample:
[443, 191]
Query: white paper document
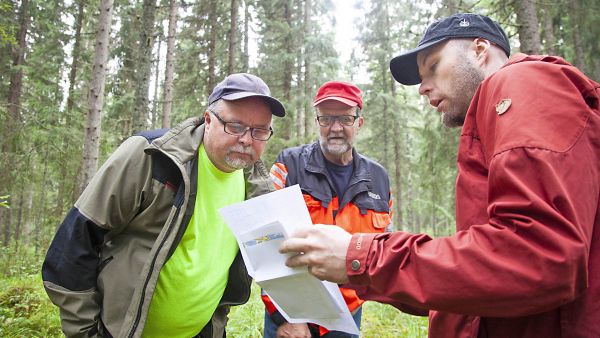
[260, 225]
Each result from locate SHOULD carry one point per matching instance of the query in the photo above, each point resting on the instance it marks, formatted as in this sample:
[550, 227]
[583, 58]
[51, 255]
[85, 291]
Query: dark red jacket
[525, 261]
[365, 207]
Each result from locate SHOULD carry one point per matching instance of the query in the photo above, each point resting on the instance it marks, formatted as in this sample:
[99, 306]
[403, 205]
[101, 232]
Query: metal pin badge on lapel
[503, 106]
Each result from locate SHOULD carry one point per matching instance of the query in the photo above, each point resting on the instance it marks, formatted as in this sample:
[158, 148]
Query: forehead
[250, 110]
[333, 107]
[432, 52]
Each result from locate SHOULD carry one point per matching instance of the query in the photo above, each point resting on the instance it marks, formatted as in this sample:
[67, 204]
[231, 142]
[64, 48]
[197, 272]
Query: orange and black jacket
[366, 205]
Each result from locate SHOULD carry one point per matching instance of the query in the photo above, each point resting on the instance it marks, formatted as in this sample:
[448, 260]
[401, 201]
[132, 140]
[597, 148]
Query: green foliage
[295, 54]
[4, 201]
[25, 310]
[7, 28]
[247, 320]
[378, 320]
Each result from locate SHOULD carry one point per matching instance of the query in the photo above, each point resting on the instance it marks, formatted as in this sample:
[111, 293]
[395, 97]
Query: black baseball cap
[461, 25]
[241, 85]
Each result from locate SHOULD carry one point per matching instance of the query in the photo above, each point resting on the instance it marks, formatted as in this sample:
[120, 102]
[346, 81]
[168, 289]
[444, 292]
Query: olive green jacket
[103, 264]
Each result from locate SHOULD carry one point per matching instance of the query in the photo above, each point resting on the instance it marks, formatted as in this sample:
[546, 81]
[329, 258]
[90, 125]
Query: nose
[337, 125]
[246, 137]
[424, 88]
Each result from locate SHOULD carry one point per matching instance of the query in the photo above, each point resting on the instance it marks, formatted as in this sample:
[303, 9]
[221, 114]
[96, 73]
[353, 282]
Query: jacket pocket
[381, 220]
[103, 264]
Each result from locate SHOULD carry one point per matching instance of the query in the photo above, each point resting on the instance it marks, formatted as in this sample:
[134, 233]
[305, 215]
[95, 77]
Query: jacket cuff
[357, 258]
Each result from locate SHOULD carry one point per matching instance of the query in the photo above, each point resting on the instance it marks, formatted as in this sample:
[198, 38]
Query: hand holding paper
[323, 249]
[260, 225]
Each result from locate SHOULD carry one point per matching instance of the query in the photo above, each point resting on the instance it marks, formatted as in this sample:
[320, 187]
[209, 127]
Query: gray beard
[335, 149]
[237, 162]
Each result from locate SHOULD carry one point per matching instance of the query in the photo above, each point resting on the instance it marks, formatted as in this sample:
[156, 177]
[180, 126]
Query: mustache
[238, 148]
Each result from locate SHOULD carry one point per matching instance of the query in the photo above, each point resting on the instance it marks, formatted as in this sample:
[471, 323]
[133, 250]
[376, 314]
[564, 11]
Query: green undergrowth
[378, 320]
[25, 310]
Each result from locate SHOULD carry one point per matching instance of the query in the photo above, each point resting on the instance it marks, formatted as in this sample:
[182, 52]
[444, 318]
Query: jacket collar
[182, 141]
[316, 163]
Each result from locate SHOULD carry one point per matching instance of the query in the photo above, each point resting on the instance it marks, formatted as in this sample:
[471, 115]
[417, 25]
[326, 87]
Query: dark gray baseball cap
[461, 25]
[241, 85]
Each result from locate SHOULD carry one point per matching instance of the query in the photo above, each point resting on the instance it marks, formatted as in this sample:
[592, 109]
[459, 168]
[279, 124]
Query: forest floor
[25, 310]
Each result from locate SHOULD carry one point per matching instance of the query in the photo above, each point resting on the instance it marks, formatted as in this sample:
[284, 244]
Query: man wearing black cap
[524, 260]
[144, 252]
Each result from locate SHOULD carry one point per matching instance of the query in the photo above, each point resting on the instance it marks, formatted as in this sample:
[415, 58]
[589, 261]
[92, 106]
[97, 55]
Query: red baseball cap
[343, 92]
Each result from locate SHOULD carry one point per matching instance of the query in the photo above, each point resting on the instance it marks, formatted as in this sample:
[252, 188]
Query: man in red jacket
[524, 260]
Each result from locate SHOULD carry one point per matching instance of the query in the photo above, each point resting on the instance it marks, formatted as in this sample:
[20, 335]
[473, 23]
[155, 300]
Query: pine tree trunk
[91, 143]
[411, 224]
[18, 231]
[300, 100]
[289, 48]
[385, 117]
[63, 188]
[28, 232]
[76, 54]
[579, 61]
[549, 39]
[16, 78]
[144, 66]
[308, 94]
[6, 229]
[397, 190]
[168, 86]
[212, 47]
[41, 212]
[27, 219]
[12, 126]
[528, 26]
[155, 98]
[232, 37]
[246, 56]
[286, 133]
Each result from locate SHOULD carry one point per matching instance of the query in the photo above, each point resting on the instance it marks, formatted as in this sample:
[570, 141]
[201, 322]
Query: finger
[302, 232]
[293, 245]
[296, 261]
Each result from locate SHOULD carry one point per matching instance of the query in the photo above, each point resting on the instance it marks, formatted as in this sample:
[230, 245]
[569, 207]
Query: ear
[481, 47]
[361, 120]
[207, 119]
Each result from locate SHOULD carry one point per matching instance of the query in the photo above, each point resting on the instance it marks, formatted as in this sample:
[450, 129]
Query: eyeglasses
[238, 129]
[346, 120]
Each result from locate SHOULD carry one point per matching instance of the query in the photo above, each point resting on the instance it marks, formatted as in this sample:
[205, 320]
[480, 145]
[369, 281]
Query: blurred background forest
[77, 77]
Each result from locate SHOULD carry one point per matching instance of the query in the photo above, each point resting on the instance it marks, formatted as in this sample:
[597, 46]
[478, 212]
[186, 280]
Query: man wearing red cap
[340, 186]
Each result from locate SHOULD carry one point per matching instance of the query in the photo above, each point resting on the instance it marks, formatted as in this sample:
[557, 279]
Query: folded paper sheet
[260, 225]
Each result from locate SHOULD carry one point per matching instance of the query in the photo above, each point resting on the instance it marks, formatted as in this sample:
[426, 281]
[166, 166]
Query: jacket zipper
[139, 310]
